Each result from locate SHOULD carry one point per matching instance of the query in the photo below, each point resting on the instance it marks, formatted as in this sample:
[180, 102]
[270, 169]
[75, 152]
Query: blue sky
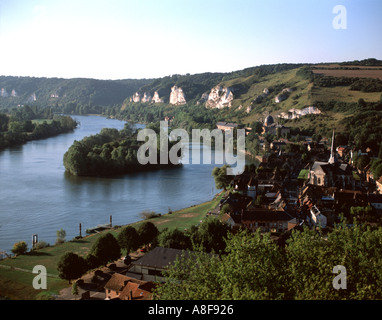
[118, 39]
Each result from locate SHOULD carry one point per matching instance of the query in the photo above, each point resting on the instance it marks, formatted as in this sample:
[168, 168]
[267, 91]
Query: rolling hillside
[332, 91]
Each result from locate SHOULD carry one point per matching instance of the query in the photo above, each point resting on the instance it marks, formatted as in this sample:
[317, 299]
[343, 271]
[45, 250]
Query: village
[284, 192]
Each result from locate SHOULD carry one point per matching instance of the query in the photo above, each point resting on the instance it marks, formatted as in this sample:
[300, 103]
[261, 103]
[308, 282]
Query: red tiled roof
[117, 282]
[136, 291]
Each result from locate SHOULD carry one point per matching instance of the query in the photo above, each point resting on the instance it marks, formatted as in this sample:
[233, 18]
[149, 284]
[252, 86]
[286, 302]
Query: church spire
[332, 158]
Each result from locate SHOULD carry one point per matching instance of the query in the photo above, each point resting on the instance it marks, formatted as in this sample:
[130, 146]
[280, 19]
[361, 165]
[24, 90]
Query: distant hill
[51, 91]
[285, 91]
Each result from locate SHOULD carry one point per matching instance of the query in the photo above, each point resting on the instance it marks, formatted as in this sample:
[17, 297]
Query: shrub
[61, 234]
[149, 215]
[19, 248]
[41, 245]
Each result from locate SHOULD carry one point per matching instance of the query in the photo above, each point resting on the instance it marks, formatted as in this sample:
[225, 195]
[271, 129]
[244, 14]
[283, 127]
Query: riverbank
[16, 273]
[24, 131]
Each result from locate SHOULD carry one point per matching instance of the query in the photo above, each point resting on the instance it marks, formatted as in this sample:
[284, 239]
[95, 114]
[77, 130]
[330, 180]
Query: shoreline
[16, 272]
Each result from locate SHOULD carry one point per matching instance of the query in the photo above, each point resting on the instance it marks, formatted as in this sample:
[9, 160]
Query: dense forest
[57, 91]
[111, 152]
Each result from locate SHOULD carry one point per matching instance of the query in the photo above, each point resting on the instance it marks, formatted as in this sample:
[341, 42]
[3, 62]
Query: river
[38, 197]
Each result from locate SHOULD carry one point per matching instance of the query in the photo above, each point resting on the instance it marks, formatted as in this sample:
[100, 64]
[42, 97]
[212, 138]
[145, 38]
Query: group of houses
[276, 201]
[130, 279]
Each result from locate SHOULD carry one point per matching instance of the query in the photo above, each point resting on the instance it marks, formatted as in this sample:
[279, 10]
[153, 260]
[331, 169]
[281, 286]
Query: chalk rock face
[4, 92]
[297, 113]
[177, 96]
[156, 98]
[32, 98]
[220, 97]
[136, 97]
[146, 97]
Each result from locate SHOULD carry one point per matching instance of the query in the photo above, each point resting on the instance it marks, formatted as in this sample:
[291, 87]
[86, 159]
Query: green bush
[19, 248]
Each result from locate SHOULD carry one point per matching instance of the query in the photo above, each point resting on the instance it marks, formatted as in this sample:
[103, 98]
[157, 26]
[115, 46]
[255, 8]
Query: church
[271, 126]
[332, 173]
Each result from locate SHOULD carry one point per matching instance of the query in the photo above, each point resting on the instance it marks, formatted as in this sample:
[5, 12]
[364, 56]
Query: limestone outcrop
[156, 98]
[297, 113]
[177, 96]
[220, 97]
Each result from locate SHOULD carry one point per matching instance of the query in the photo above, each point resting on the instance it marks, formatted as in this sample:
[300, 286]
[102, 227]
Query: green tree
[174, 238]
[362, 162]
[15, 126]
[252, 268]
[75, 159]
[19, 248]
[211, 235]
[128, 238]
[226, 208]
[222, 180]
[4, 119]
[60, 236]
[147, 232]
[106, 249]
[71, 266]
[257, 127]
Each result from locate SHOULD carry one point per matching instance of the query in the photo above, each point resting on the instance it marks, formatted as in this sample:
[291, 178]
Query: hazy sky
[117, 39]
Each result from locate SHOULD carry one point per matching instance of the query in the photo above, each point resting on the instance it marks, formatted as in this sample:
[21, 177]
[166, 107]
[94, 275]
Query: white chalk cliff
[220, 97]
[136, 97]
[156, 98]
[4, 92]
[146, 97]
[177, 96]
[297, 113]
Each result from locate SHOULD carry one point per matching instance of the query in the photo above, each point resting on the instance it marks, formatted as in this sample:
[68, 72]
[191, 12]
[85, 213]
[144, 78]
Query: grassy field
[361, 73]
[343, 94]
[40, 121]
[304, 94]
[16, 273]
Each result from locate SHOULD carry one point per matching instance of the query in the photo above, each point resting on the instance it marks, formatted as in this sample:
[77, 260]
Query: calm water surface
[38, 197]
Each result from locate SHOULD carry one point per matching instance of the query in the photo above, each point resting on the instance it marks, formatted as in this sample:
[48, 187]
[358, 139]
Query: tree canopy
[256, 267]
[71, 266]
[106, 249]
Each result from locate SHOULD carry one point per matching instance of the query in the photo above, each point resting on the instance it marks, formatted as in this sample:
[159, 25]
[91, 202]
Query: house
[123, 287]
[350, 198]
[271, 126]
[225, 126]
[266, 219]
[154, 262]
[332, 173]
[137, 290]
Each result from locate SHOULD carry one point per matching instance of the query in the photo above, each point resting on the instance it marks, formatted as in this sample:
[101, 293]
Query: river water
[38, 197]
